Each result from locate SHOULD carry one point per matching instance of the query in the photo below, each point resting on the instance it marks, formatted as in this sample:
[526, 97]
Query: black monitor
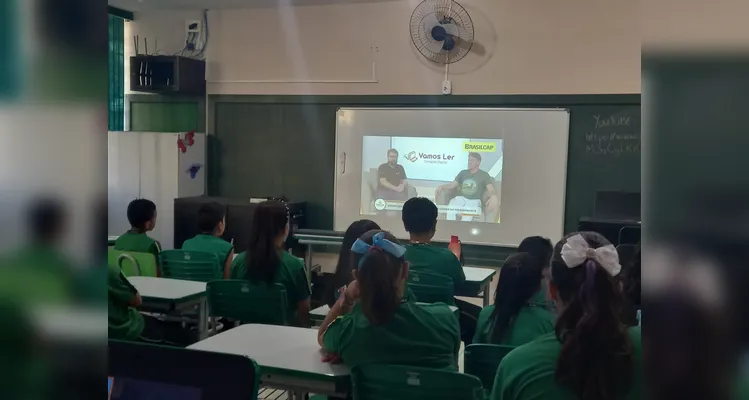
[149, 372]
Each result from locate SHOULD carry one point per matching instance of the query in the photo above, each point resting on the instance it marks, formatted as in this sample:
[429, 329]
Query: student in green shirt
[39, 272]
[541, 248]
[514, 319]
[266, 261]
[343, 269]
[212, 222]
[141, 213]
[125, 322]
[591, 355]
[372, 323]
[420, 220]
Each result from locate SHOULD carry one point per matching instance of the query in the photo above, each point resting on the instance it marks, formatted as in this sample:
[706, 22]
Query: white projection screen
[496, 175]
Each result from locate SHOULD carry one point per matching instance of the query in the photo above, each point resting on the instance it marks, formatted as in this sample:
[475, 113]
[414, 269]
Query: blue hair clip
[378, 241]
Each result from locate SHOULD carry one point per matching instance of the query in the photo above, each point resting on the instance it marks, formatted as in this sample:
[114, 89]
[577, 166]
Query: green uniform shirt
[527, 373]
[125, 322]
[419, 335]
[138, 242]
[291, 274]
[37, 275]
[212, 244]
[530, 323]
[427, 257]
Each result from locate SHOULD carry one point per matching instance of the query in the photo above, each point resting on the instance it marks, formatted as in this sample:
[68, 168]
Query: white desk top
[166, 289]
[280, 349]
[478, 275]
[322, 311]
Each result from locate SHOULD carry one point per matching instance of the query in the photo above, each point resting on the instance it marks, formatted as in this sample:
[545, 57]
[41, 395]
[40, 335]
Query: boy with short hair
[420, 220]
[212, 223]
[141, 213]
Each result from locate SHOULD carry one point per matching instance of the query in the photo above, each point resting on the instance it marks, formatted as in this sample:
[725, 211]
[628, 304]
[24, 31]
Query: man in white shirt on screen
[473, 184]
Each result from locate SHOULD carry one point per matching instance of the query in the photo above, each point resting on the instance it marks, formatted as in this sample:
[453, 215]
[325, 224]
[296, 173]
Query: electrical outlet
[447, 87]
[193, 26]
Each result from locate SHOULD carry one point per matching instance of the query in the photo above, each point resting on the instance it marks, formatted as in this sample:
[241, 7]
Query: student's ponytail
[519, 280]
[596, 361]
[378, 276]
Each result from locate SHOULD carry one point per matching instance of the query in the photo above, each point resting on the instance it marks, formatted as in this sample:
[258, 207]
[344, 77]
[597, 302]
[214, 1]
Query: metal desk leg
[308, 262]
[298, 395]
[203, 318]
[487, 294]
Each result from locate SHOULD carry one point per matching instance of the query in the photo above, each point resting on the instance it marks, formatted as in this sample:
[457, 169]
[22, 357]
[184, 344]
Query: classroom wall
[522, 47]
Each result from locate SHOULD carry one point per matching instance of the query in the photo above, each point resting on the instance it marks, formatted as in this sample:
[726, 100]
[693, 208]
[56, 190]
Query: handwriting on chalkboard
[612, 135]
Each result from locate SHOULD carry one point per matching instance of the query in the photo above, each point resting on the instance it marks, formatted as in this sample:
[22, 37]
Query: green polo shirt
[531, 322]
[430, 258]
[418, 335]
[139, 243]
[212, 244]
[125, 322]
[290, 274]
[38, 275]
[527, 373]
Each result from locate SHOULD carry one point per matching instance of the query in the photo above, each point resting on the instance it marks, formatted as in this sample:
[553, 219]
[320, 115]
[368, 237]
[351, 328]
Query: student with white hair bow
[591, 355]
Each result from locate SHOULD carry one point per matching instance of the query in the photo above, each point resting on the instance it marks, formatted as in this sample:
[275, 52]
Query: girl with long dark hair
[266, 261]
[591, 355]
[515, 319]
[343, 268]
[373, 323]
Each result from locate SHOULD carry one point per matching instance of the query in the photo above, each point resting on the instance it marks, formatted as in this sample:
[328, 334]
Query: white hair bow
[577, 250]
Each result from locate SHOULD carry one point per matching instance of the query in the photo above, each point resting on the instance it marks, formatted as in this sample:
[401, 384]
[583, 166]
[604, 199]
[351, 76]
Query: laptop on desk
[148, 372]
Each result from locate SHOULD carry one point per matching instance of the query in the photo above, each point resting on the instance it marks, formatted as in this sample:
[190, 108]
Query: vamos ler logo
[430, 158]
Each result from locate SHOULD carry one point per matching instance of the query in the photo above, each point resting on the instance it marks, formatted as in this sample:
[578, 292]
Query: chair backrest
[429, 287]
[393, 382]
[627, 253]
[482, 361]
[190, 265]
[246, 302]
[133, 263]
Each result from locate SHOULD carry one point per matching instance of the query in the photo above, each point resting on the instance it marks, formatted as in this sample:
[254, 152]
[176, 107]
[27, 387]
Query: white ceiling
[145, 5]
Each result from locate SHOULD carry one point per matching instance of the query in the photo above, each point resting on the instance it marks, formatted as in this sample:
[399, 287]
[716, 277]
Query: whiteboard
[522, 158]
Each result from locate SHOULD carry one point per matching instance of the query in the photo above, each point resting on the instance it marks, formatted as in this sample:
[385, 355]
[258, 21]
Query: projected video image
[463, 176]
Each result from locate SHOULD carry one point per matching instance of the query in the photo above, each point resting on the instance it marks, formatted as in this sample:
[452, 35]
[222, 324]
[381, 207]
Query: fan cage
[441, 10]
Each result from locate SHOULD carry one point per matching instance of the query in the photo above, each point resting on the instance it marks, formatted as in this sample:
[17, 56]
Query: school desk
[163, 295]
[478, 280]
[289, 358]
[318, 314]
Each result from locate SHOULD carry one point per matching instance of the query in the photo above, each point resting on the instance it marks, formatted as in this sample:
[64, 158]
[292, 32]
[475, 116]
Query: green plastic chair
[482, 361]
[248, 303]
[133, 263]
[429, 287]
[395, 382]
[190, 265]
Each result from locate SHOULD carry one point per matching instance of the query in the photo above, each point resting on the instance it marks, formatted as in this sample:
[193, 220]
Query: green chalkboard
[284, 145]
[604, 154]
